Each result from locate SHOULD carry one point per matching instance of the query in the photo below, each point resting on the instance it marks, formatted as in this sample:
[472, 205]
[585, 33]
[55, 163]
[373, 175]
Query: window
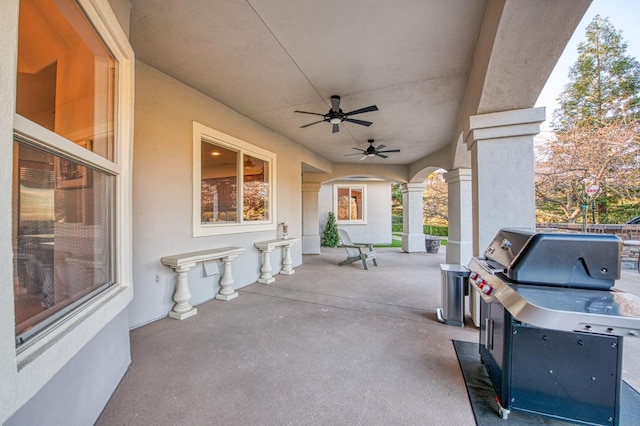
[233, 185]
[349, 204]
[66, 75]
[69, 190]
[63, 234]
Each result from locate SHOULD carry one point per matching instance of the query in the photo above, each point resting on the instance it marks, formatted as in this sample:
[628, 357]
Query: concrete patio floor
[327, 345]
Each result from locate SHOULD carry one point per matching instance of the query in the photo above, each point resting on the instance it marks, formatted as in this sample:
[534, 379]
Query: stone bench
[265, 248]
[182, 263]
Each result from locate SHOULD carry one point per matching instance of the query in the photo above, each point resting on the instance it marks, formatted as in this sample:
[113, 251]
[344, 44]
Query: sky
[624, 15]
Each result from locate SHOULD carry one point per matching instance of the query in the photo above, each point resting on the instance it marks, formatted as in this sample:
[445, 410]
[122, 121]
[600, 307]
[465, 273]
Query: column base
[459, 252]
[291, 272]
[183, 315]
[266, 280]
[227, 296]
[311, 244]
[413, 243]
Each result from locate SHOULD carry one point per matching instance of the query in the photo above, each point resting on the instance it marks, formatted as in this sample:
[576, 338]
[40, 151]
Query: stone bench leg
[287, 262]
[227, 292]
[182, 296]
[265, 269]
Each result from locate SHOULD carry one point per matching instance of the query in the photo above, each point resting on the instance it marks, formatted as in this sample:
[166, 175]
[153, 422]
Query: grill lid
[589, 261]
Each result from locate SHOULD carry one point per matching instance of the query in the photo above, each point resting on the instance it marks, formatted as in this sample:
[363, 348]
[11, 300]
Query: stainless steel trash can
[455, 280]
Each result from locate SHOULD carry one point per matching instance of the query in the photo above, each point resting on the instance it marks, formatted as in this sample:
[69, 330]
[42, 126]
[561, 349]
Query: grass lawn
[398, 243]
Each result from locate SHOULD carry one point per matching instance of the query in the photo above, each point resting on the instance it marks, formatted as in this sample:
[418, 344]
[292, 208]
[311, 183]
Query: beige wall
[378, 204]
[162, 212]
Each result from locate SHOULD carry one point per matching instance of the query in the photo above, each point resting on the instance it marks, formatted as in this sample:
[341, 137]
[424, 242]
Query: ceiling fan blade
[311, 124]
[335, 129]
[361, 110]
[363, 157]
[360, 122]
[382, 155]
[357, 149]
[379, 147]
[307, 112]
[357, 153]
[390, 150]
[335, 103]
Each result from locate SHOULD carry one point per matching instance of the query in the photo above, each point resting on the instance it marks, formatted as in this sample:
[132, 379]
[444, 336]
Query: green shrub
[439, 230]
[330, 237]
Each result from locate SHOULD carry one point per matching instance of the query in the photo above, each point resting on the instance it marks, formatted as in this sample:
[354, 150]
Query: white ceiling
[267, 58]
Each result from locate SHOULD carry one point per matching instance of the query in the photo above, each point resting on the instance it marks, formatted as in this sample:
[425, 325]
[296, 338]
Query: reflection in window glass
[343, 204]
[218, 187]
[66, 75]
[255, 205]
[62, 233]
[350, 203]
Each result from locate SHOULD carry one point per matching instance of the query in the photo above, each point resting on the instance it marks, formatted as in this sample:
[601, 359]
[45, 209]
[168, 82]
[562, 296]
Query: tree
[435, 199]
[604, 82]
[607, 156]
[396, 207]
[596, 133]
[330, 237]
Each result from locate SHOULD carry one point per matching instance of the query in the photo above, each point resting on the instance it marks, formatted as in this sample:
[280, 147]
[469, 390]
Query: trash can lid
[448, 267]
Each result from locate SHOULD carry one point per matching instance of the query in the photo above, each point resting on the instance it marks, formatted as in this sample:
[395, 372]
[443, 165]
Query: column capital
[311, 186]
[457, 175]
[505, 124]
[412, 187]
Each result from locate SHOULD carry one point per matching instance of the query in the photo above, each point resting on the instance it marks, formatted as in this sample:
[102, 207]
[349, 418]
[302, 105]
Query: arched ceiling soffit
[519, 45]
[423, 174]
[529, 39]
[393, 172]
[361, 178]
[422, 168]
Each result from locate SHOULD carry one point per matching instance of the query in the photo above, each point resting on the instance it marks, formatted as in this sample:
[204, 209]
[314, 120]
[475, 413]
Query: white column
[310, 218]
[460, 241]
[502, 161]
[227, 292]
[412, 228]
[182, 296]
[503, 189]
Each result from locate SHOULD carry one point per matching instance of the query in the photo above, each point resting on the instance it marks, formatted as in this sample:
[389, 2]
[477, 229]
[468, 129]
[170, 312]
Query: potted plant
[432, 243]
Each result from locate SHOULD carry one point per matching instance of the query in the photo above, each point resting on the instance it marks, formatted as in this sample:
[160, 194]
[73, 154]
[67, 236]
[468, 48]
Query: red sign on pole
[593, 190]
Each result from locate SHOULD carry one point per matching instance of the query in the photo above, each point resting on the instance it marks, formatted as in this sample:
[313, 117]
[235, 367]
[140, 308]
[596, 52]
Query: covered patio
[327, 345]
[201, 102]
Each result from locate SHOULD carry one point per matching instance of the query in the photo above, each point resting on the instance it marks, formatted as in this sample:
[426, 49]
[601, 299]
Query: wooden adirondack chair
[356, 251]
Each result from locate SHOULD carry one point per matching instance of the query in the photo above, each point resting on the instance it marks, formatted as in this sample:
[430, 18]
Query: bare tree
[605, 156]
[434, 200]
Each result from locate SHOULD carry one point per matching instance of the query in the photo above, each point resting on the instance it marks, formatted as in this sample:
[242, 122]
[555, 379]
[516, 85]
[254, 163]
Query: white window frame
[203, 133]
[363, 188]
[35, 363]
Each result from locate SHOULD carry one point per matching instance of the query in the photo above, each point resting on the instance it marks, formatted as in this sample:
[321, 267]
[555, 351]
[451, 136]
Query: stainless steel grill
[552, 323]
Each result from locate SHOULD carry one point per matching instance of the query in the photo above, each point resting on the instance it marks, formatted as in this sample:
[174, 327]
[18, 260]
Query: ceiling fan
[373, 152]
[336, 116]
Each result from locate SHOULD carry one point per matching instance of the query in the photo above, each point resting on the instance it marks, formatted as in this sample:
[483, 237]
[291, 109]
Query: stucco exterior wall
[78, 393]
[162, 216]
[378, 203]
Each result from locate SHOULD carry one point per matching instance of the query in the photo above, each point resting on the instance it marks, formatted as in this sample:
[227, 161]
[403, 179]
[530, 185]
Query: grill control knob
[473, 275]
[487, 289]
[484, 287]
